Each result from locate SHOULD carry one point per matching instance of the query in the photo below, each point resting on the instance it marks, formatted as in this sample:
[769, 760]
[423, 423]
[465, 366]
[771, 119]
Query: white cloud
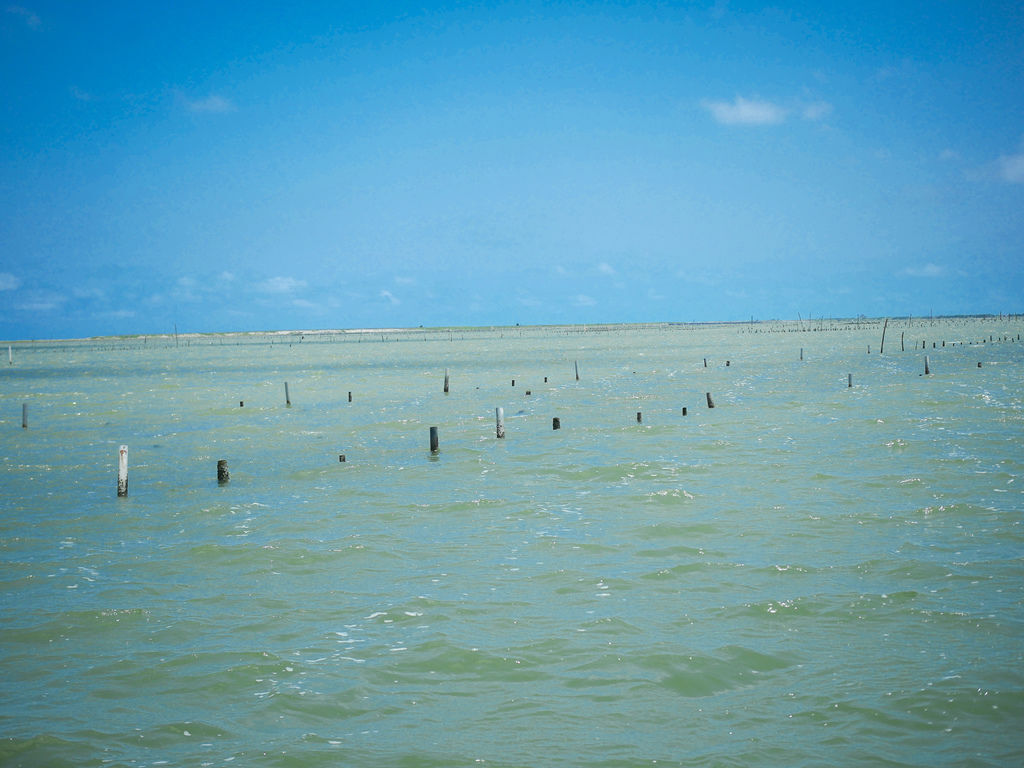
[605, 268]
[303, 304]
[1011, 168]
[743, 111]
[926, 270]
[818, 110]
[280, 285]
[30, 18]
[583, 300]
[401, 280]
[187, 282]
[227, 277]
[212, 105]
[9, 282]
[390, 297]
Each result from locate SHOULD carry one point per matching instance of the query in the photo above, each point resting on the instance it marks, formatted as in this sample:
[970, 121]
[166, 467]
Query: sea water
[810, 573]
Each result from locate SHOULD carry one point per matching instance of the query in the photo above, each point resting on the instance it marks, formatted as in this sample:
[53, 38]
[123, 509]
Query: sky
[252, 166]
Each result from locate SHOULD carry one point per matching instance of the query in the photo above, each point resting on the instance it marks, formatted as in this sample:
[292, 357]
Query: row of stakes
[223, 475]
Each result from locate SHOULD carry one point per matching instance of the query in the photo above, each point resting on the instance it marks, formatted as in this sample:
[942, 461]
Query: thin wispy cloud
[816, 111]
[582, 300]
[9, 282]
[42, 301]
[280, 285]
[91, 292]
[741, 111]
[79, 95]
[605, 268]
[211, 105]
[390, 297]
[1011, 167]
[30, 18]
[925, 270]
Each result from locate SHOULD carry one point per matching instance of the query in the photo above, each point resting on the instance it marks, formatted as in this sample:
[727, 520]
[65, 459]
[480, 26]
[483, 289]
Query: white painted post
[122, 471]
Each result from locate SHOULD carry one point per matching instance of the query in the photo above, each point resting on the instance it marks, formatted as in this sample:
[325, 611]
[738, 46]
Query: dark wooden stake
[434, 444]
[222, 472]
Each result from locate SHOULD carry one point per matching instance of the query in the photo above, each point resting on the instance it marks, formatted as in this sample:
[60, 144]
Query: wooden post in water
[926, 371]
[979, 364]
[241, 403]
[24, 415]
[499, 422]
[341, 457]
[711, 403]
[684, 410]
[350, 396]
[287, 398]
[10, 355]
[902, 349]
[446, 381]
[881, 348]
[222, 471]
[577, 364]
[434, 444]
[705, 362]
[556, 423]
[122, 471]
[849, 380]
[801, 353]
[639, 417]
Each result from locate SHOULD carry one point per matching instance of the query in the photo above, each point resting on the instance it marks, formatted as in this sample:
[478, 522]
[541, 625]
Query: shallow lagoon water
[807, 574]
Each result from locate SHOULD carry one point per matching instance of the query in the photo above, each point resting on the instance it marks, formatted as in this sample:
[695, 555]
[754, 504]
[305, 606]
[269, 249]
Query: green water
[807, 574]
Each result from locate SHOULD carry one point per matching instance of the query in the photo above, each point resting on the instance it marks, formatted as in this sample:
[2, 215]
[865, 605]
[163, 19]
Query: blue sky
[255, 166]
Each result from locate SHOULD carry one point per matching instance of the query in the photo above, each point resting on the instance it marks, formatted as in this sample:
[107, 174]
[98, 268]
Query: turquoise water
[807, 574]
